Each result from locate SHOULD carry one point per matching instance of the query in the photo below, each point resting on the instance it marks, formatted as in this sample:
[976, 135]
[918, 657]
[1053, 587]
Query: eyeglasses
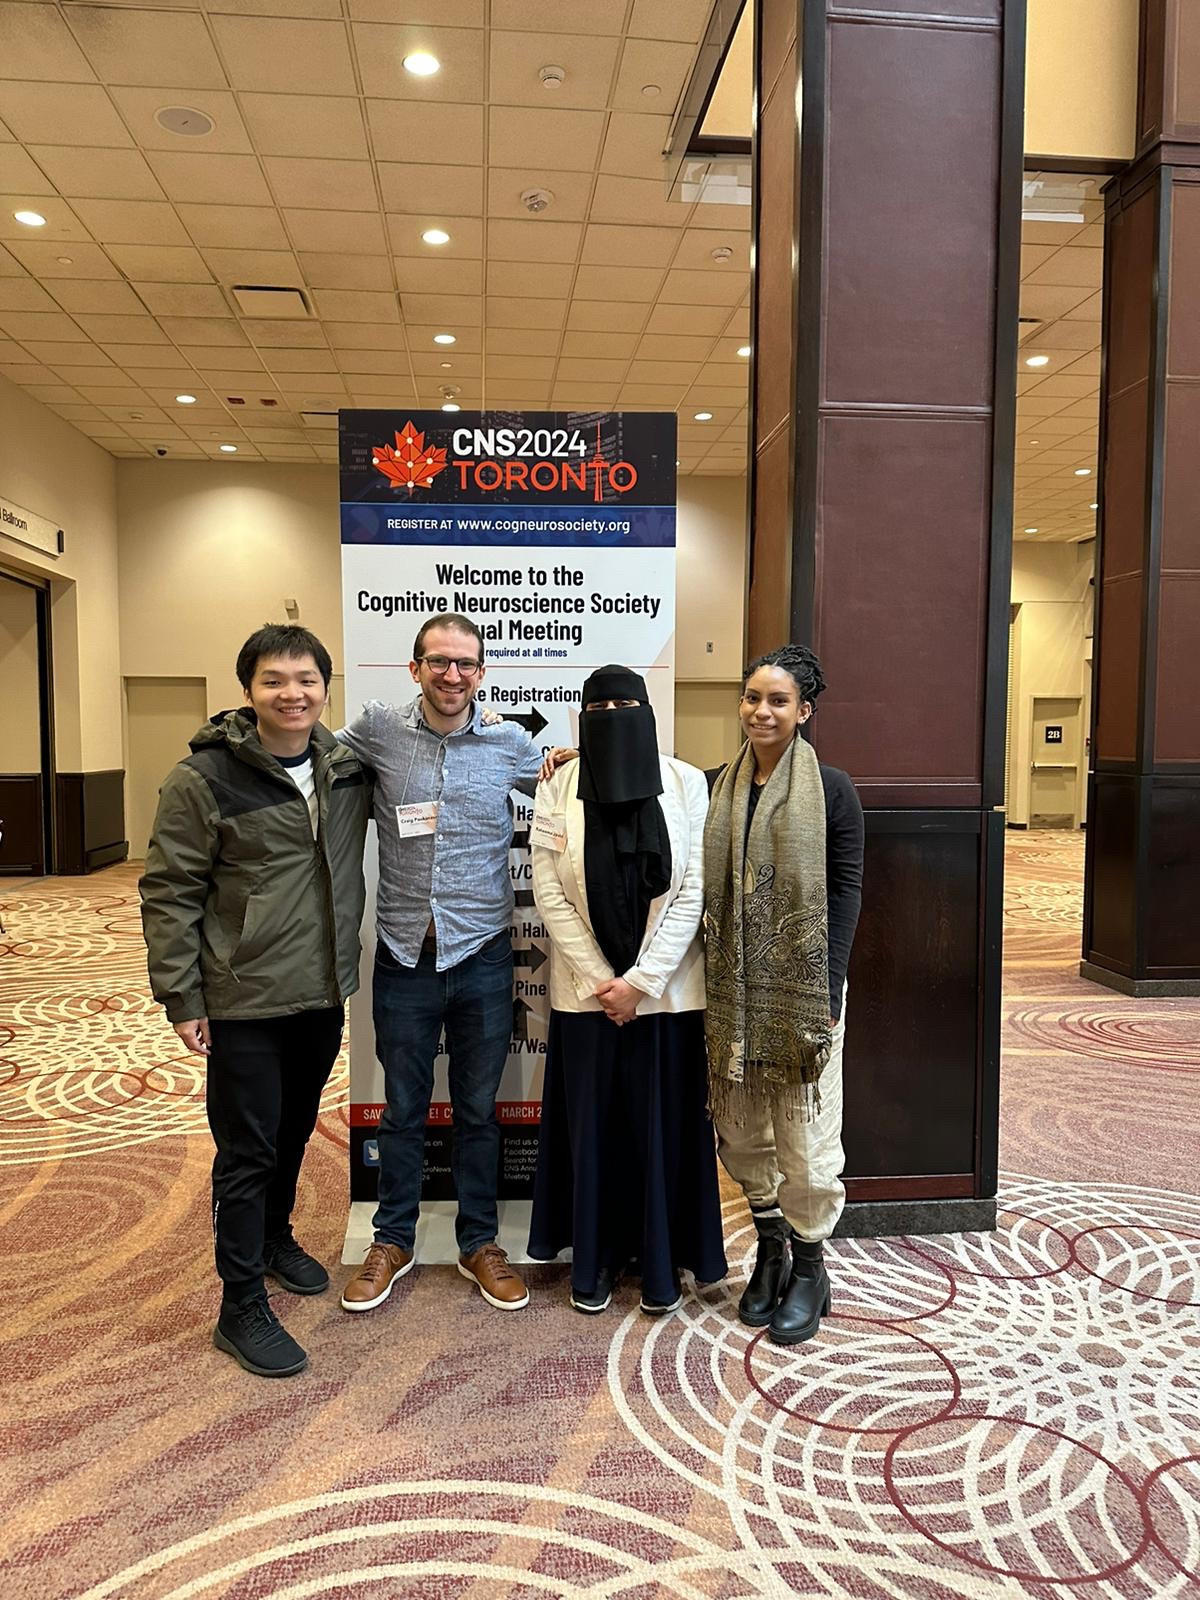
[442, 664]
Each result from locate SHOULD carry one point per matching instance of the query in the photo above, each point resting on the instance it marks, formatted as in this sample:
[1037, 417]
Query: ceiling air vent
[319, 419]
[264, 300]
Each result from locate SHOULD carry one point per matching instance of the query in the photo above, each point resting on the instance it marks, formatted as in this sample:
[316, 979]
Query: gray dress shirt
[458, 876]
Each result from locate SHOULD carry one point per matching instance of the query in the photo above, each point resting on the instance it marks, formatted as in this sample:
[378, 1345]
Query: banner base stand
[436, 1244]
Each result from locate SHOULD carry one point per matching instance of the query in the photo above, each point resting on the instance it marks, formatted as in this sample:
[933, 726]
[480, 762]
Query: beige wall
[21, 747]
[1081, 78]
[1051, 651]
[53, 470]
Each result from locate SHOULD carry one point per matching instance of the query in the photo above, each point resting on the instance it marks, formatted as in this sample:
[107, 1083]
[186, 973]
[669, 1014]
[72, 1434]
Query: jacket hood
[238, 729]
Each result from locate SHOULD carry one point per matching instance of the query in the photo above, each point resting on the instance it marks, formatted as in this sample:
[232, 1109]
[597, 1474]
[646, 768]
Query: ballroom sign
[28, 528]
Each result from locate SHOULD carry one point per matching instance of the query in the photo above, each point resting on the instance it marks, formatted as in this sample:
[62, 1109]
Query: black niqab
[627, 850]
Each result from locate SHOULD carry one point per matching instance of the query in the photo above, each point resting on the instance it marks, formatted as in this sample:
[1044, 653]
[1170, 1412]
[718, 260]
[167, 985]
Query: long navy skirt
[627, 1169]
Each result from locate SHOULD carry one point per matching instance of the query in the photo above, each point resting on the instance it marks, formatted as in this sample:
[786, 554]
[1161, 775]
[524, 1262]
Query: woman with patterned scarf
[627, 1170]
[783, 850]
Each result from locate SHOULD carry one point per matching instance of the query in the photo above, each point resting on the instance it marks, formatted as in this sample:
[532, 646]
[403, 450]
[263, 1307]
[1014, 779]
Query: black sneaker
[597, 1299]
[662, 1308]
[256, 1339]
[294, 1269]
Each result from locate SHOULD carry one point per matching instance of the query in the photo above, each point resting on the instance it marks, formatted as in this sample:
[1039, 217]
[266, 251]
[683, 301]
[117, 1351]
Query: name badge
[548, 831]
[414, 820]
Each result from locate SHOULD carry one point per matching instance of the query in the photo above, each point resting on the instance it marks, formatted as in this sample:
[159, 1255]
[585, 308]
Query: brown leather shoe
[372, 1283]
[499, 1285]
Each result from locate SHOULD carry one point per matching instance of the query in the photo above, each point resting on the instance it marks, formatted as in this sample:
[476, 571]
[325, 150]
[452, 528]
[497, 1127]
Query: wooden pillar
[1141, 933]
[887, 231]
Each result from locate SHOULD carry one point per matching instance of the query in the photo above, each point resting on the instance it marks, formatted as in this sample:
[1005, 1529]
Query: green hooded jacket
[245, 914]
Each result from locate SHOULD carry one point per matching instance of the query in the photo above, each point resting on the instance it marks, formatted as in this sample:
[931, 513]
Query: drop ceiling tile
[515, 393]
[522, 341]
[516, 58]
[327, 125]
[367, 387]
[1068, 386]
[530, 367]
[533, 240]
[724, 216]
[23, 294]
[139, 107]
[10, 267]
[646, 61]
[597, 17]
[571, 191]
[79, 411]
[286, 55]
[62, 225]
[410, 190]
[633, 146]
[719, 286]
[27, 371]
[618, 283]
[637, 200]
[75, 375]
[1077, 267]
[162, 385]
[696, 251]
[51, 393]
[584, 396]
[377, 343]
[114, 395]
[599, 316]
[607, 244]
[63, 114]
[51, 326]
[686, 320]
[81, 174]
[681, 372]
[234, 227]
[140, 355]
[1051, 233]
[1086, 365]
[354, 232]
[356, 305]
[134, 222]
[304, 181]
[121, 329]
[147, 47]
[453, 312]
[549, 280]
[517, 313]
[416, 132]
[708, 397]
[466, 236]
[224, 369]
[273, 436]
[285, 333]
[585, 369]
[438, 277]
[328, 271]
[1047, 301]
[381, 52]
[670, 19]
[211, 332]
[265, 267]
[566, 140]
[156, 263]
[36, 43]
[85, 294]
[1088, 310]
[1033, 255]
[599, 344]
[666, 395]
[78, 352]
[433, 364]
[20, 174]
[214, 180]
[738, 326]
[183, 299]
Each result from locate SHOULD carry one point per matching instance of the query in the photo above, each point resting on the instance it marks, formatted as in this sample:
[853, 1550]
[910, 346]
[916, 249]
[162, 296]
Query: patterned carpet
[996, 1416]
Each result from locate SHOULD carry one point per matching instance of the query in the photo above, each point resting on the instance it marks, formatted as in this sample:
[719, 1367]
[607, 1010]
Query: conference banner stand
[555, 533]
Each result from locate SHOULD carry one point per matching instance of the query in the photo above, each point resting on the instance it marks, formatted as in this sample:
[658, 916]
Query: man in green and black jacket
[251, 904]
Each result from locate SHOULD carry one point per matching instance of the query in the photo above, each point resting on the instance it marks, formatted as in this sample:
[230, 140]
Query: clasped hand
[619, 1000]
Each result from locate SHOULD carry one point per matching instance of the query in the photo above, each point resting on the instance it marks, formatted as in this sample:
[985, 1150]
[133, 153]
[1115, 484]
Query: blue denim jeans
[473, 1002]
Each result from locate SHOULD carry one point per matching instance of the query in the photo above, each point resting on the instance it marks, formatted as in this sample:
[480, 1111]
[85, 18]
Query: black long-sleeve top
[843, 867]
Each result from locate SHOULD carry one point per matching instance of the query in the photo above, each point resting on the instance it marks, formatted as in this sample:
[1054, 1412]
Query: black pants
[263, 1092]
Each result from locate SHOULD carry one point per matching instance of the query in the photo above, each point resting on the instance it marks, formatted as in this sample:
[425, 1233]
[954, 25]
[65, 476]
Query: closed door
[23, 781]
[161, 715]
[1054, 768]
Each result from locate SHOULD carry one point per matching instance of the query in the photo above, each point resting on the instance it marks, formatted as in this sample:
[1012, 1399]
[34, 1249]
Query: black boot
[806, 1298]
[767, 1281]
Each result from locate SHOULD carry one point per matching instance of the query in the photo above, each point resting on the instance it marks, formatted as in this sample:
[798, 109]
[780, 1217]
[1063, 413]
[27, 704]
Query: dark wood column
[887, 235]
[1141, 933]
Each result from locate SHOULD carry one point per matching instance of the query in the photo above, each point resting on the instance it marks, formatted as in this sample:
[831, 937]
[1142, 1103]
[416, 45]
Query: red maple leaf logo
[410, 465]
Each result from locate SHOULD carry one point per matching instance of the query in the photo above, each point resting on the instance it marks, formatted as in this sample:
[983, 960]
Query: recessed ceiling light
[229, 449]
[651, 90]
[436, 236]
[704, 416]
[65, 261]
[1035, 441]
[1083, 472]
[446, 366]
[185, 399]
[421, 64]
[451, 406]
[1037, 361]
[743, 349]
[31, 219]
[1095, 506]
[1032, 530]
[443, 338]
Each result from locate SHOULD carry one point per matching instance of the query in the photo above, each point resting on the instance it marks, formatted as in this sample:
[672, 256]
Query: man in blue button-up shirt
[444, 957]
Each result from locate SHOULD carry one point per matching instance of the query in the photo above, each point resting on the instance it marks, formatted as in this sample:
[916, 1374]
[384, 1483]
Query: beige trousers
[785, 1161]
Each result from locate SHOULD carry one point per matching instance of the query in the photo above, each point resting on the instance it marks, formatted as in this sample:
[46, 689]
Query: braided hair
[799, 663]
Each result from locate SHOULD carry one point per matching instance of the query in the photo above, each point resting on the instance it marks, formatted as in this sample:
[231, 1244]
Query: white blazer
[670, 963]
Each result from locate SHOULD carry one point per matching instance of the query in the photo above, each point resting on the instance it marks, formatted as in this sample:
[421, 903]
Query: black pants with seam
[262, 1094]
